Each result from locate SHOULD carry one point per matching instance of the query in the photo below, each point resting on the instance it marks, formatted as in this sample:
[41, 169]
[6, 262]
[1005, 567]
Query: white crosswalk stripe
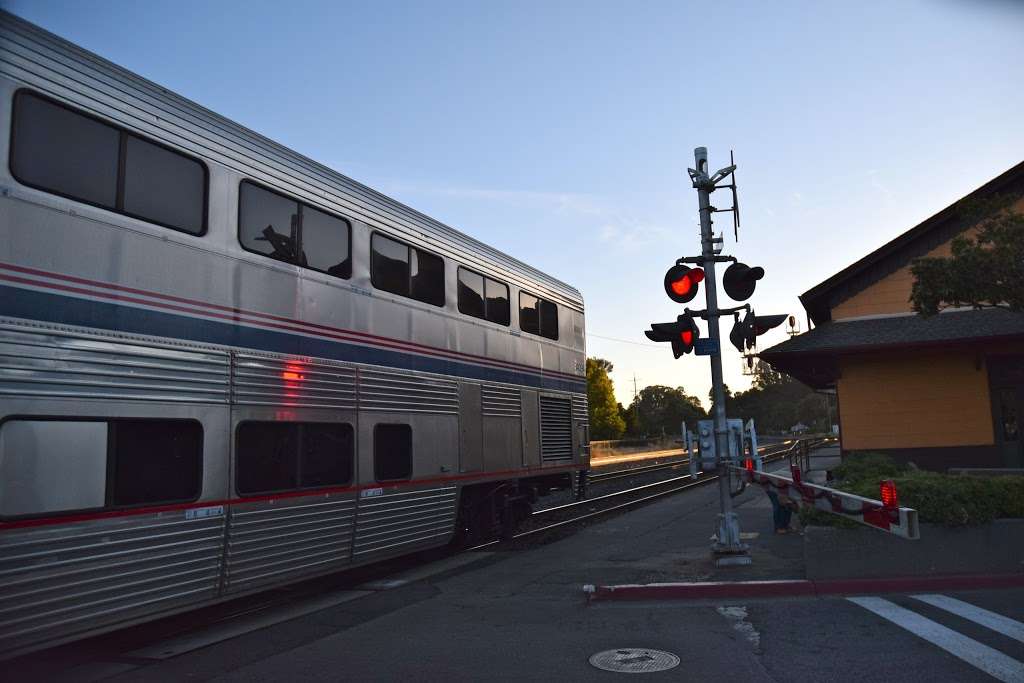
[997, 622]
[981, 656]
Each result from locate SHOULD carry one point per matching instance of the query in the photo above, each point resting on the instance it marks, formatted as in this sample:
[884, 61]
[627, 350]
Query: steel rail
[774, 457]
[602, 477]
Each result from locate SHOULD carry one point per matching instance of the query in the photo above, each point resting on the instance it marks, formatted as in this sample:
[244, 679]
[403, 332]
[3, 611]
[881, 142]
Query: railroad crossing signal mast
[681, 285]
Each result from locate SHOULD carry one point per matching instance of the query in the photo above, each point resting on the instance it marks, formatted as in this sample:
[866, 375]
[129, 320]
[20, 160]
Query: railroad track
[647, 494]
[601, 477]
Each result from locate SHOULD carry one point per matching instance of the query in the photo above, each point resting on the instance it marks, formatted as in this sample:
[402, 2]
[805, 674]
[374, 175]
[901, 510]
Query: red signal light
[888, 494]
[748, 464]
[687, 337]
[687, 282]
[681, 282]
[292, 373]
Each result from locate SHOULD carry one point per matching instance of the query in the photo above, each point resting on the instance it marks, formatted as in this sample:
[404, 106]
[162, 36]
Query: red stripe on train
[174, 507]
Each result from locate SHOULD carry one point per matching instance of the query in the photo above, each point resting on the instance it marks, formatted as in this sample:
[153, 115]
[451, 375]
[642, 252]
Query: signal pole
[728, 543]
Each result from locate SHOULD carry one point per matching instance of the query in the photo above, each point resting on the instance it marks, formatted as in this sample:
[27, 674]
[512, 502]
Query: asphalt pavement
[521, 614]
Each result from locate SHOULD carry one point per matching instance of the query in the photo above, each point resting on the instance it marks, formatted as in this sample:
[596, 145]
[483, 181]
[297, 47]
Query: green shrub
[868, 465]
[949, 500]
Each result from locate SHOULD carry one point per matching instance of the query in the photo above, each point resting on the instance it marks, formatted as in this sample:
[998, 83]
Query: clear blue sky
[560, 132]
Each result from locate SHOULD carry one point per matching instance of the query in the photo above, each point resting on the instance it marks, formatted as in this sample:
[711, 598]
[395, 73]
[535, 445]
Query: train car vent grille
[555, 429]
[268, 380]
[501, 401]
[579, 409]
[407, 392]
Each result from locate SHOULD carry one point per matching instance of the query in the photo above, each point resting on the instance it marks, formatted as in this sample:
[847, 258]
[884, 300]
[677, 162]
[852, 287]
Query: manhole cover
[634, 660]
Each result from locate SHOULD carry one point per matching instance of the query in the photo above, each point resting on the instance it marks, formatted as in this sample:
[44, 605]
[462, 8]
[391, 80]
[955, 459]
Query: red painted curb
[702, 590]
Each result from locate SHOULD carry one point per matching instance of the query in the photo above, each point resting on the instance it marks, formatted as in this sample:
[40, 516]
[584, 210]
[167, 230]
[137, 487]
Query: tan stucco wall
[891, 294]
[914, 400]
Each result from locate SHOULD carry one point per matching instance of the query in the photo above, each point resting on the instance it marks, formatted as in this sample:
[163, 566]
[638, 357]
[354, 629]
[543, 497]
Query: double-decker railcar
[224, 367]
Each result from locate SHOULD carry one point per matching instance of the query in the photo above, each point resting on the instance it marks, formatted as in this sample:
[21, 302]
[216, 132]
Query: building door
[1006, 376]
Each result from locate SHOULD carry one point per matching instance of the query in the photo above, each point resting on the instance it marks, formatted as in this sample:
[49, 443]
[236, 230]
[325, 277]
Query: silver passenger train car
[224, 367]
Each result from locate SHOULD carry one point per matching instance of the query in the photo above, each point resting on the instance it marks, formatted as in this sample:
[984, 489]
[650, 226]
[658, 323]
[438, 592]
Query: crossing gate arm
[899, 521]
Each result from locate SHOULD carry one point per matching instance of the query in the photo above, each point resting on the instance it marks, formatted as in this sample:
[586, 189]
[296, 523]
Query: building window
[51, 466]
[287, 230]
[482, 297]
[401, 269]
[392, 452]
[538, 316]
[72, 154]
[284, 456]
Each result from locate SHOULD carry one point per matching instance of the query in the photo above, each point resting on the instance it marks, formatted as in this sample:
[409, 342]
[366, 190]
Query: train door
[531, 428]
[470, 428]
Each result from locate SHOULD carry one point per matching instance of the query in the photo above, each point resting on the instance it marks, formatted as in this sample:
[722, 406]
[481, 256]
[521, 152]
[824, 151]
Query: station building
[945, 391]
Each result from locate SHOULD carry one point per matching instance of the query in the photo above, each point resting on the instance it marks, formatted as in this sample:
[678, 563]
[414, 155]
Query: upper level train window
[287, 230]
[482, 297]
[75, 155]
[280, 456]
[392, 452]
[61, 465]
[163, 186]
[538, 316]
[400, 269]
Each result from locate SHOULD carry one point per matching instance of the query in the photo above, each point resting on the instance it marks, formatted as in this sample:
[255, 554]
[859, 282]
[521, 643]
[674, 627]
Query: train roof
[49, 63]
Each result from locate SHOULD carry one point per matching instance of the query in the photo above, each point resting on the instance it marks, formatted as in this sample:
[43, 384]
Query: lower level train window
[392, 452]
[282, 456]
[51, 466]
[155, 460]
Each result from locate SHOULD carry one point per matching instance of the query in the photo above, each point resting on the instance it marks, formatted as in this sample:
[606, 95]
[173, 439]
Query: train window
[52, 466]
[482, 297]
[400, 269]
[497, 301]
[327, 454]
[62, 151]
[60, 465]
[325, 243]
[538, 316]
[471, 293]
[156, 461]
[281, 456]
[548, 313]
[268, 223]
[72, 154]
[389, 265]
[287, 230]
[163, 186]
[427, 271]
[392, 452]
[265, 456]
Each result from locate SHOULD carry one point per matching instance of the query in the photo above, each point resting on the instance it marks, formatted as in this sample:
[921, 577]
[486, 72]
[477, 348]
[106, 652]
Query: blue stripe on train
[56, 308]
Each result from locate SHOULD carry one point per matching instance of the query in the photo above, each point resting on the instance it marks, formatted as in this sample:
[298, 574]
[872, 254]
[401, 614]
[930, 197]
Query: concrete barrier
[995, 548]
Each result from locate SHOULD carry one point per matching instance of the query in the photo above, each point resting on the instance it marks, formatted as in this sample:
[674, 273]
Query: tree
[661, 409]
[985, 270]
[605, 421]
[765, 376]
[629, 419]
[730, 404]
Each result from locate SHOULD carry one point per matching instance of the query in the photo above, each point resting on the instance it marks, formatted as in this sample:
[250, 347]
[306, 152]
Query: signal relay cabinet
[739, 441]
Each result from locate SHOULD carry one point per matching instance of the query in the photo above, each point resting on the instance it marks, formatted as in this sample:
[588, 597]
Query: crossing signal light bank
[682, 334]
